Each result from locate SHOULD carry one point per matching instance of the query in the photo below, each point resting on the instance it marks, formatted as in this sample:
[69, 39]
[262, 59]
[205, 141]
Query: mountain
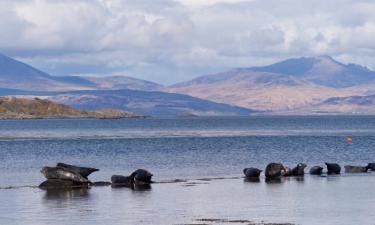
[348, 105]
[18, 75]
[281, 87]
[23, 108]
[140, 102]
[123, 82]
[322, 70]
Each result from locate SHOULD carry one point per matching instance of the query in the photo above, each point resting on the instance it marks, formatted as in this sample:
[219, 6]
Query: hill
[22, 108]
[290, 85]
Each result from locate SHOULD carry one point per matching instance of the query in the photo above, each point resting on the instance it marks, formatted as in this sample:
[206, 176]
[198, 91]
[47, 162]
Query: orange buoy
[349, 139]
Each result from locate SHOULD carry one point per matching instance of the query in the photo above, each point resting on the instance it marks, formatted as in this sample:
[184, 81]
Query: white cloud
[174, 40]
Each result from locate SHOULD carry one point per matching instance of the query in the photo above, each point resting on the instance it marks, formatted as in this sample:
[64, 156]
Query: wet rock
[61, 184]
[101, 183]
[120, 180]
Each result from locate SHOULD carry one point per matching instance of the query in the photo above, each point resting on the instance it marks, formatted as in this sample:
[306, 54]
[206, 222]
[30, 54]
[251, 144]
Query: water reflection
[66, 194]
[252, 179]
[134, 187]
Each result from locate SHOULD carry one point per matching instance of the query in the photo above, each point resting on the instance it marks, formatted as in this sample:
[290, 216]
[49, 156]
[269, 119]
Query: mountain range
[307, 85]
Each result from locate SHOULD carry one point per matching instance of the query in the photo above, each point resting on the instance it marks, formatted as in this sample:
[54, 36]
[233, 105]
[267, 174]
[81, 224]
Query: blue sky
[169, 41]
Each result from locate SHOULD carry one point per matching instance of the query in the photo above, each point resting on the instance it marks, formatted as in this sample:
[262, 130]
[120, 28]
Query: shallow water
[188, 148]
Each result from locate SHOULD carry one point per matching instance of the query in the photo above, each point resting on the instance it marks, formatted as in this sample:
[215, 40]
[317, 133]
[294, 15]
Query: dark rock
[61, 184]
[120, 180]
[100, 183]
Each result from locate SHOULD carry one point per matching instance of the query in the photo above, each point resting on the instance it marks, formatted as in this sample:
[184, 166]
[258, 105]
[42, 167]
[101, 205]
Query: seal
[252, 172]
[356, 169]
[316, 170]
[142, 176]
[274, 170]
[333, 168]
[83, 171]
[299, 170]
[62, 174]
[371, 166]
[288, 172]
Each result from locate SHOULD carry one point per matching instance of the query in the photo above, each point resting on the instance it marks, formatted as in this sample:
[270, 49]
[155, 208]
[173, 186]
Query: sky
[169, 41]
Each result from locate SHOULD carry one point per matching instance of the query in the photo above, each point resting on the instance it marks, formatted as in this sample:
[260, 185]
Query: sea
[197, 164]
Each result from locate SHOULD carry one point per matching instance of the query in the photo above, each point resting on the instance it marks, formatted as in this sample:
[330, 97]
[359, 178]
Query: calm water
[188, 148]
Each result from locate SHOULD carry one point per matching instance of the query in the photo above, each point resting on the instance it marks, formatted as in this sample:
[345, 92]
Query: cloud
[173, 40]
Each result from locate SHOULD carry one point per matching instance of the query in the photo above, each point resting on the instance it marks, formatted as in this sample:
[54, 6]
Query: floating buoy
[349, 139]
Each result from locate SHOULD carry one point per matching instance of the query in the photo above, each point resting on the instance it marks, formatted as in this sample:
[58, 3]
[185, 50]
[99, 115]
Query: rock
[61, 184]
[120, 180]
[100, 183]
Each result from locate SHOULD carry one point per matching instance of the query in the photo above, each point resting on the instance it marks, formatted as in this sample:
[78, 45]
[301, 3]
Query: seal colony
[66, 176]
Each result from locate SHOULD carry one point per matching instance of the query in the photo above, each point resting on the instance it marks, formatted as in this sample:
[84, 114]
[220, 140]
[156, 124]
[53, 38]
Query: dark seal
[252, 172]
[83, 171]
[333, 168]
[62, 174]
[371, 166]
[356, 169]
[299, 170]
[274, 170]
[316, 170]
[142, 176]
